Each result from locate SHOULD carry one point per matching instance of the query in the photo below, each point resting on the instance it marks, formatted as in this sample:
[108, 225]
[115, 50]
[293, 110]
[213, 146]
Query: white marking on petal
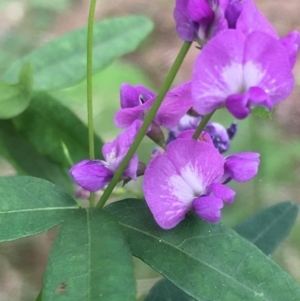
[186, 186]
[232, 75]
[191, 175]
[253, 74]
[181, 190]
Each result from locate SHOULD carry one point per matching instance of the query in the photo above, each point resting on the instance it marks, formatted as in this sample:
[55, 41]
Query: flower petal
[125, 117]
[199, 163]
[92, 175]
[222, 192]
[168, 196]
[208, 208]
[175, 105]
[184, 25]
[266, 65]
[291, 43]
[115, 151]
[131, 96]
[241, 167]
[218, 71]
[251, 19]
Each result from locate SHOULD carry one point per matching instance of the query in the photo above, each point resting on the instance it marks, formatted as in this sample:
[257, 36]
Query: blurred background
[28, 24]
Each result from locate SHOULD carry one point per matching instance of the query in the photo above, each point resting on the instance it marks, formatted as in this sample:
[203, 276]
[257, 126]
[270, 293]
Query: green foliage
[265, 229]
[30, 206]
[14, 99]
[262, 112]
[269, 227]
[61, 63]
[34, 141]
[26, 160]
[90, 260]
[165, 290]
[222, 264]
[46, 124]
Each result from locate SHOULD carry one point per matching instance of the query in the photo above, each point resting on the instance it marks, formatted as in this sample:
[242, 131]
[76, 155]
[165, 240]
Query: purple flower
[93, 175]
[241, 167]
[239, 72]
[199, 19]
[291, 42]
[136, 102]
[191, 178]
[220, 136]
[245, 17]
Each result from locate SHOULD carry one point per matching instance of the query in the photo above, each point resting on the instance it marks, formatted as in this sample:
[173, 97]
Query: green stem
[89, 83]
[89, 78]
[202, 125]
[147, 121]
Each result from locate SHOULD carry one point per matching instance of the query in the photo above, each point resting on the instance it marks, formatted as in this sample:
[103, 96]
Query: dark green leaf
[39, 297]
[61, 63]
[30, 206]
[262, 112]
[15, 98]
[165, 290]
[269, 227]
[90, 260]
[207, 261]
[25, 158]
[46, 124]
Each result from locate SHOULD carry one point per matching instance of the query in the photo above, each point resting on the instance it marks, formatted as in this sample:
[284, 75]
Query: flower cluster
[243, 63]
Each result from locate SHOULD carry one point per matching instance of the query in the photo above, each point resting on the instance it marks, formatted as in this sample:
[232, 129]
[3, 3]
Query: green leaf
[29, 206]
[165, 290]
[262, 112]
[25, 158]
[90, 260]
[39, 297]
[47, 125]
[269, 227]
[207, 261]
[61, 63]
[14, 99]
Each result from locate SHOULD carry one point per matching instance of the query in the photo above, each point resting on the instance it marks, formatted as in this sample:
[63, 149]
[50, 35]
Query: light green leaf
[29, 206]
[269, 227]
[48, 125]
[26, 160]
[165, 290]
[90, 260]
[61, 63]
[206, 261]
[15, 98]
[262, 112]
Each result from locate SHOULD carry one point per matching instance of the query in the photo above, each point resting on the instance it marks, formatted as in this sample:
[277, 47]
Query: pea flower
[137, 101]
[199, 19]
[220, 136]
[190, 175]
[93, 175]
[240, 72]
[246, 17]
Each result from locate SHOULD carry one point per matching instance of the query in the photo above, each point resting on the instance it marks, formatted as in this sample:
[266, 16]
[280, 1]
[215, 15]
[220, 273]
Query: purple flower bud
[137, 101]
[218, 133]
[92, 175]
[200, 19]
[231, 131]
[241, 167]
